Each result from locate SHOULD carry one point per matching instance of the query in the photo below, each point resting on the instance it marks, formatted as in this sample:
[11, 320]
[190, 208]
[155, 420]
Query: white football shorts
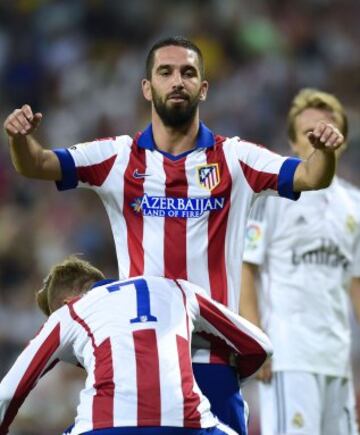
[302, 403]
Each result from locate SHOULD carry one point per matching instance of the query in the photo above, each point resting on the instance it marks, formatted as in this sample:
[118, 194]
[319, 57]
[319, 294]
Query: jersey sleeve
[250, 344]
[88, 164]
[257, 232]
[266, 171]
[41, 355]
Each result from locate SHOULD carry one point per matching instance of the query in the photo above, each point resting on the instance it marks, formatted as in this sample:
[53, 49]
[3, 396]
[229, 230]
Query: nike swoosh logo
[137, 174]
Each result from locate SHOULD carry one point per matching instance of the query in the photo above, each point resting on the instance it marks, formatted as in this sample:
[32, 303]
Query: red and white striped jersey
[181, 217]
[133, 338]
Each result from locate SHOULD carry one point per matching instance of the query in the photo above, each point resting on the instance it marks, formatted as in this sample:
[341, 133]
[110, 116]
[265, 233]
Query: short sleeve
[257, 232]
[267, 171]
[88, 164]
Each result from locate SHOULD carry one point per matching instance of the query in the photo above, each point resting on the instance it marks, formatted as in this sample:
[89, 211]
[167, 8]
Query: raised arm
[28, 156]
[318, 170]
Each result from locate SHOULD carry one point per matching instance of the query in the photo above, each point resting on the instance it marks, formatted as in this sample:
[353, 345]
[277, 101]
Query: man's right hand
[22, 122]
[265, 373]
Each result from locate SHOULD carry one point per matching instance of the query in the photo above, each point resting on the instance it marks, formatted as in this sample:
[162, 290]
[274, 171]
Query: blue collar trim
[102, 282]
[205, 139]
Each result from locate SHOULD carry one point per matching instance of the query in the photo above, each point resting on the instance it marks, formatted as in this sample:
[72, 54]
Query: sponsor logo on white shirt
[177, 207]
[328, 254]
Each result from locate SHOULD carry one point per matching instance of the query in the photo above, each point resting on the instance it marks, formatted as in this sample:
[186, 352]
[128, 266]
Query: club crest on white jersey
[208, 176]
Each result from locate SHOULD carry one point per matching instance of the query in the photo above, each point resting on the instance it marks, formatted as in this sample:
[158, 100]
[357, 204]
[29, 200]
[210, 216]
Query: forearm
[355, 297]
[27, 155]
[316, 172]
[249, 308]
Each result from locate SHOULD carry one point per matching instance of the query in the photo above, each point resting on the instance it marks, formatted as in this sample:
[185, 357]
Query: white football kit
[307, 253]
[181, 217]
[133, 338]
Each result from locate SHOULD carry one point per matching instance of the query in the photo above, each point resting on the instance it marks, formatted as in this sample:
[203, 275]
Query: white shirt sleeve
[250, 344]
[266, 171]
[89, 164]
[257, 232]
[41, 355]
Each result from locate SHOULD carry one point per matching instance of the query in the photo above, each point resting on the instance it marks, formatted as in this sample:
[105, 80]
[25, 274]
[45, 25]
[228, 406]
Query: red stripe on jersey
[133, 194]
[95, 175]
[259, 180]
[217, 224]
[148, 378]
[251, 353]
[103, 403]
[175, 228]
[186, 313]
[191, 399]
[102, 408]
[31, 375]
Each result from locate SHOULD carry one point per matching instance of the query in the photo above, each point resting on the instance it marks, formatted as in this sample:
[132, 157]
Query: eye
[189, 73]
[164, 72]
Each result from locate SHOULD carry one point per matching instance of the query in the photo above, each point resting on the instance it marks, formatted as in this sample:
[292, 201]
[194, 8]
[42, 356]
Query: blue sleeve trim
[68, 170]
[286, 178]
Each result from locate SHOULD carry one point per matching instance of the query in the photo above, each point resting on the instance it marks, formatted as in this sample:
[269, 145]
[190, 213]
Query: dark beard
[177, 115]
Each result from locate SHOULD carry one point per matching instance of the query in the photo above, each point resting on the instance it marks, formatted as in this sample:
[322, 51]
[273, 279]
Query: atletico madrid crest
[208, 176]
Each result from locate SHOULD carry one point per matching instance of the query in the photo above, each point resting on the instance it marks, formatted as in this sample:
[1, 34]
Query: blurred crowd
[80, 63]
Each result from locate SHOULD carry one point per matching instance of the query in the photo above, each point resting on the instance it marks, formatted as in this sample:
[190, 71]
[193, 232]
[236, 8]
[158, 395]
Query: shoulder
[237, 142]
[104, 142]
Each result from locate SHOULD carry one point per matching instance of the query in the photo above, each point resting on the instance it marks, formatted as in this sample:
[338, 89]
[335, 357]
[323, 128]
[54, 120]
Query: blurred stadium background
[80, 62]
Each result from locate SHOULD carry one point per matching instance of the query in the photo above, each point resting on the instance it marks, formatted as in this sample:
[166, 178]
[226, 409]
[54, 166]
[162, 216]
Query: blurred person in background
[300, 259]
[133, 337]
[178, 195]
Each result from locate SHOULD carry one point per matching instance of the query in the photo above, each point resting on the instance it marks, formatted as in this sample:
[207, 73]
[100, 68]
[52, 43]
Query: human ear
[146, 89]
[204, 90]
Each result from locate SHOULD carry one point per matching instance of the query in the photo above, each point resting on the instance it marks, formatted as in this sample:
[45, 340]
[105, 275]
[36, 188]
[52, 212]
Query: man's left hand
[326, 137]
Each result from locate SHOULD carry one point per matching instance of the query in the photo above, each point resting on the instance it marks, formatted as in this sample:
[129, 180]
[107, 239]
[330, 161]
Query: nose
[177, 82]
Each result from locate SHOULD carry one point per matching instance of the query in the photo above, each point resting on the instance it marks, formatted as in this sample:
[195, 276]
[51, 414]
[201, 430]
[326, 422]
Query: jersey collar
[102, 282]
[205, 138]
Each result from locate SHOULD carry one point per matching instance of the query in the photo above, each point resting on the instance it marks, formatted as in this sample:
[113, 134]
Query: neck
[175, 140]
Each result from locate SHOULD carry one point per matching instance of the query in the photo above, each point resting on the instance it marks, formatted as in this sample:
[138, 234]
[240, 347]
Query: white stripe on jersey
[196, 229]
[153, 240]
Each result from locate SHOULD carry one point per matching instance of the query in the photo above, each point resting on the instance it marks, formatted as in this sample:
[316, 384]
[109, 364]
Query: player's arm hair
[249, 308]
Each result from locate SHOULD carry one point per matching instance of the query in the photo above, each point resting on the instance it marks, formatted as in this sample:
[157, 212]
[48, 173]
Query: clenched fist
[326, 136]
[22, 122]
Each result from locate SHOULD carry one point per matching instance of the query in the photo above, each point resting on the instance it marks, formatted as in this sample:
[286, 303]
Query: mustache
[178, 94]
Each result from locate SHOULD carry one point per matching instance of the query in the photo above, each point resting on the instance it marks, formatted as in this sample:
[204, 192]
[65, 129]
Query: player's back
[133, 338]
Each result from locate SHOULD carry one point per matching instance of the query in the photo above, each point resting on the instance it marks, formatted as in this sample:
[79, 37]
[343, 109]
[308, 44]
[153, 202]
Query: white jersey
[133, 338]
[307, 252]
[181, 217]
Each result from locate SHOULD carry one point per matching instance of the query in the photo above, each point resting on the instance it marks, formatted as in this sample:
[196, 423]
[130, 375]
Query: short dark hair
[177, 41]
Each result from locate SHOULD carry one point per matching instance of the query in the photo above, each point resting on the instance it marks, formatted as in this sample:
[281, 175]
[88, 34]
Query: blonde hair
[313, 98]
[67, 279]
